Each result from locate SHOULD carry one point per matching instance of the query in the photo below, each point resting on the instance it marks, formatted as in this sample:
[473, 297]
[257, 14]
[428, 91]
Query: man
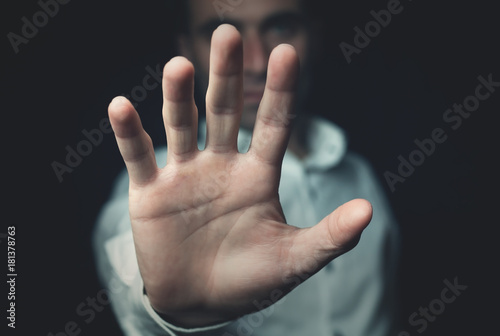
[201, 246]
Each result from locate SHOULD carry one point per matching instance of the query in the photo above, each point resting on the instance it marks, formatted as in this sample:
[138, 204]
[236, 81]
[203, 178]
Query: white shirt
[354, 295]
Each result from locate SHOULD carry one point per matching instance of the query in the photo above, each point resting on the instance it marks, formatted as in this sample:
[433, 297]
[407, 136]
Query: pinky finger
[134, 143]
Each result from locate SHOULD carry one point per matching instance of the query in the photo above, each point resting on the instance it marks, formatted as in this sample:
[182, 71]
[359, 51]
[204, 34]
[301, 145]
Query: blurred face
[263, 24]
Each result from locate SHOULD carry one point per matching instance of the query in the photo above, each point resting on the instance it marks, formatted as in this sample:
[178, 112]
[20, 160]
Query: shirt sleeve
[119, 274]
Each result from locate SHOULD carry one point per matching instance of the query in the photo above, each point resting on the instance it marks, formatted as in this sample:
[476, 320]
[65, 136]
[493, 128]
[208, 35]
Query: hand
[209, 231]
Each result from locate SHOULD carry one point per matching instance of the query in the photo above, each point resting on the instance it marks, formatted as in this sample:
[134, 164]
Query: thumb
[337, 233]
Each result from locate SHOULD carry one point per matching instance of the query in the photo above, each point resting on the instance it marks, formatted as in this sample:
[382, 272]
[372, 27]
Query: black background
[395, 91]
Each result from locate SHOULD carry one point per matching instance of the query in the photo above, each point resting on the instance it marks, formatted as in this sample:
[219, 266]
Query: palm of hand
[233, 230]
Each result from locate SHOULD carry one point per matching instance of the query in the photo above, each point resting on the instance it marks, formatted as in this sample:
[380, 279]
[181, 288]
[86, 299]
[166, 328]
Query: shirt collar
[327, 144]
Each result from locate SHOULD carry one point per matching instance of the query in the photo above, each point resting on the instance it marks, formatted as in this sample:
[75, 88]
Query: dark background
[395, 91]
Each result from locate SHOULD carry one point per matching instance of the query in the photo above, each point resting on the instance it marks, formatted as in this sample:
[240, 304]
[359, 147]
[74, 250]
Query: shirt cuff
[168, 327]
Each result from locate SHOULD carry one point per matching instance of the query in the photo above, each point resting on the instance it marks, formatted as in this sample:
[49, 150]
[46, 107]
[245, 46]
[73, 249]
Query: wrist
[189, 319]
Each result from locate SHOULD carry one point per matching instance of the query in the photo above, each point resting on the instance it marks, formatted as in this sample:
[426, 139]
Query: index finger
[273, 122]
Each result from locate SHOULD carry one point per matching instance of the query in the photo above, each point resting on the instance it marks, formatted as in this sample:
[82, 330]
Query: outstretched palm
[209, 231]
